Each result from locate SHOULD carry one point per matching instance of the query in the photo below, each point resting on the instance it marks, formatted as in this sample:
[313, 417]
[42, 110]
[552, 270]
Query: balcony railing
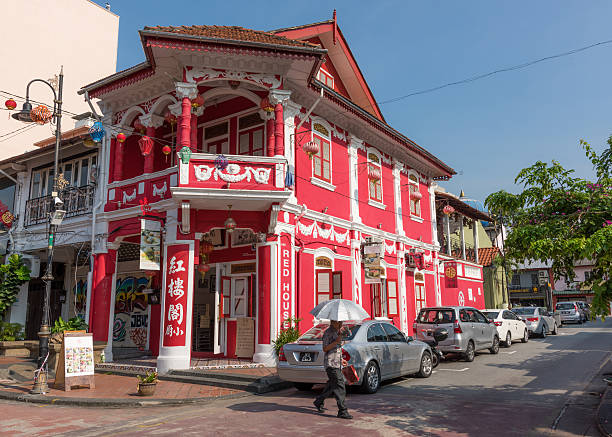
[77, 201]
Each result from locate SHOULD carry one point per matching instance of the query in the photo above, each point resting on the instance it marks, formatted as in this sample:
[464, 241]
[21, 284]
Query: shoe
[344, 415]
[319, 406]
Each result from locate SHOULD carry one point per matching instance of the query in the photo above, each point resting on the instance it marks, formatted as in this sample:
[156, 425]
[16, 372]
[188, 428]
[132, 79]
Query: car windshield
[523, 311]
[565, 306]
[491, 314]
[436, 316]
[349, 329]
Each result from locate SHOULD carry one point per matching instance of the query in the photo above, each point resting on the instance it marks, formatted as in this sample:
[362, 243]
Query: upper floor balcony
[251, 183]
[77, 201]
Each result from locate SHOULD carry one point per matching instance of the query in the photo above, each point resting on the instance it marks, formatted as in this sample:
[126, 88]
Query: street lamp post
[40, 382]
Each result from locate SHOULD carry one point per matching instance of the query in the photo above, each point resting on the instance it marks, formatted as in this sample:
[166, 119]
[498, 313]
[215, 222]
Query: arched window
[415, 203]
[375, 185]
[328, 283]
[419, 291]
[321, 162]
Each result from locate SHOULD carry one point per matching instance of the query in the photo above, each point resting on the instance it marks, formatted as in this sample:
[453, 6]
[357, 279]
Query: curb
[111, 402]
[600, 425]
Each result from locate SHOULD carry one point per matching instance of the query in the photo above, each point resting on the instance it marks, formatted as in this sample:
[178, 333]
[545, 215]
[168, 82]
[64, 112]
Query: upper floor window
[216, 138]
[77, 172]
[326, 78]
[7, 193]
[321, 162]
[375, 185]
[251, 135]
[419, 292]
[415, 203]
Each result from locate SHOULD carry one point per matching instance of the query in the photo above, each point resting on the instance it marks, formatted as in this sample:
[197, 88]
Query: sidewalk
[111, 390]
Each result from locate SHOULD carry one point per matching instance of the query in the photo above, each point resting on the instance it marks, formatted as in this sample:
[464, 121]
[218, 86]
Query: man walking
[332, 347]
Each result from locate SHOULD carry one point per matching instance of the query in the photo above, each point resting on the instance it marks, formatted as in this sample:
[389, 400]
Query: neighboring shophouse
[28, 235]
[531, 285]
[277, 185]
[566, 290]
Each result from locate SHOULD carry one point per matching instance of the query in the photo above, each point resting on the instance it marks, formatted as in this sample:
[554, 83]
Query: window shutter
[392, 298]
[250, 298]
[224, 299]
[336, 285]
[324, 281]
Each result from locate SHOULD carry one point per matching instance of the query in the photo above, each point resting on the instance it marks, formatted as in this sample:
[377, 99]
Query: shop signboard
[245, 337]
[150, 244]
[76, 364]
[371, 263]
[450, 274]
[175, 298]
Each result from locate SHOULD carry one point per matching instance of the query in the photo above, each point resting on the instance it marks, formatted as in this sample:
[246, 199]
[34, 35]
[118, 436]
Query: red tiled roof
[233, 33]
[486, 255]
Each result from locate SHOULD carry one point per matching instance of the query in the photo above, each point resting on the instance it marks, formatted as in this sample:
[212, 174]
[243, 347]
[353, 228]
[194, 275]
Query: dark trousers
[335, 387]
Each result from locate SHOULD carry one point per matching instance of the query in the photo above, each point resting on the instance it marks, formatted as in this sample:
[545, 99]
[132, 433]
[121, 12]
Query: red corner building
[266, 161]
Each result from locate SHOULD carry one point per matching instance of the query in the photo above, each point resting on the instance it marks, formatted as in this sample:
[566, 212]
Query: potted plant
[288, 334]
[147, 383]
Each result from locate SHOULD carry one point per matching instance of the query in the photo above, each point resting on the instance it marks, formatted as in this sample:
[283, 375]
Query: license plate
[306, 357]
[565, 312]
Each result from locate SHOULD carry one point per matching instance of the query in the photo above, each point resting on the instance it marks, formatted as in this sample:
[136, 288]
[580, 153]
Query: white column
[447, 232]
[356, 268]
[291, 110]
[397, 197]
[462, 236]
[432, 210]
[354, 144]
[475, 233]
[401, 285]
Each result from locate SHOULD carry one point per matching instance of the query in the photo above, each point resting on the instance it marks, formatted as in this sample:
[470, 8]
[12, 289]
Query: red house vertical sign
[285, 279]
[175, 306]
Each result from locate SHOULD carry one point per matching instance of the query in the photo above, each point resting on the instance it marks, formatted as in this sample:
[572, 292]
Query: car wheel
[508, 341]
[554, 331]
[426, 366]
[470, 353]
[435, 360]
[371, 378]
[525, 338]
[544, 330]
[494, 349]
[303, 386]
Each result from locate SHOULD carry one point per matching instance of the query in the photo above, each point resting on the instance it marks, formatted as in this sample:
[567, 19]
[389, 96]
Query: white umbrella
[339, 310]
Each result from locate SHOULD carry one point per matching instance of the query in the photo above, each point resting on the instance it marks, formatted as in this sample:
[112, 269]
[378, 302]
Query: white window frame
[262, 124]
[316, 180]
[323, 75]
[373, 201]
[92, 159]
[414, 185]
[420, 292]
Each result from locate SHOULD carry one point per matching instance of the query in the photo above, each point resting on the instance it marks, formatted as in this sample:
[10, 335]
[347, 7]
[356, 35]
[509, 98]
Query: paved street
[539, 388]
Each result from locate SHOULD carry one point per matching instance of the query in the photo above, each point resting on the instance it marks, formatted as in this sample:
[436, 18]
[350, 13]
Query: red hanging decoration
[311, 148]
[166, 150]
[197, 102]
[374, 174]
[448, 210]
[41, 114]
[416, 195]
[139, 126]
[146, 145]
[266, 105]
[10, 104]
[121, 137]
[203, 268]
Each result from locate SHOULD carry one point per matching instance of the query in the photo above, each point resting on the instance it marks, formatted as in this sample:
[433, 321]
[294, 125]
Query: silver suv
[468, 330]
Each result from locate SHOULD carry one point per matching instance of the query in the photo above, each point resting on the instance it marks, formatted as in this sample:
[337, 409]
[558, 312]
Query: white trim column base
[264, 354]
[173, 362]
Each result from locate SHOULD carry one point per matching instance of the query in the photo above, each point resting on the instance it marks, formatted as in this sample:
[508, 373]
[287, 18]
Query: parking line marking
[456, 370]
[509, 353]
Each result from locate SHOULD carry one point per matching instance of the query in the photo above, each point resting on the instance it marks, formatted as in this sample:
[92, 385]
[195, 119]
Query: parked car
[570, 312]
[468, 330]
[377, 350]
[538, 320]
[586, 310]
[509, 326]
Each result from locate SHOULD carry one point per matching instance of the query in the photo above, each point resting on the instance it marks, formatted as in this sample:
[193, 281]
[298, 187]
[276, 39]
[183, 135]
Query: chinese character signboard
[176, 288]
[150, 244]
[450, 274]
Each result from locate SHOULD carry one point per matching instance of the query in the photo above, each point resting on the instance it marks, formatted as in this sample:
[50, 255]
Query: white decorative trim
[186, 89]
[161, 192]
[416, 218]
[279, 96]
[141, 187]
[315, 230]
[149, 176]
[151, 120]
[376, 204]
[232, 173]
[206, 74]
[390, 248]
[323, 184]
[129, 197]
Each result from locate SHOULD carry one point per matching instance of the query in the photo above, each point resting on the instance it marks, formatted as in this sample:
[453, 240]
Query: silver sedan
[377, 350]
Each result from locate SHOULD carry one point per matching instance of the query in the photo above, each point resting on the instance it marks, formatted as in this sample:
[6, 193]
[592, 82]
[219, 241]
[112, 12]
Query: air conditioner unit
[33, 263]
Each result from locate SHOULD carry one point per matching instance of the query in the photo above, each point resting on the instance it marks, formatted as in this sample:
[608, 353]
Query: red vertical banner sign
[450, 274]
[175, 298]
[285, 279]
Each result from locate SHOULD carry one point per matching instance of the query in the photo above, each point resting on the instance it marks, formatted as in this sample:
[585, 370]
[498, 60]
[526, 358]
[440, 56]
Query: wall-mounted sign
[450, 274]
[243, 268]
[323, 261]
[286, 292]
[6, 217]
[374, 272]
[150, 244]
[175, 295]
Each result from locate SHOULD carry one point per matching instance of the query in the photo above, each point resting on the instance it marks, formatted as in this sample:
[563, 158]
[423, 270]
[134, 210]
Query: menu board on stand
[76, 361]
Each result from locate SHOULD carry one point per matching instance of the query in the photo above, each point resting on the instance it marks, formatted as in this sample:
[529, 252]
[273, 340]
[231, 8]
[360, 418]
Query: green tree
[564, 219]
[12, 275]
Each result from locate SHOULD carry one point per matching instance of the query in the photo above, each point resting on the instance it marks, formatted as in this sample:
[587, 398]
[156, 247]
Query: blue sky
[487, 130]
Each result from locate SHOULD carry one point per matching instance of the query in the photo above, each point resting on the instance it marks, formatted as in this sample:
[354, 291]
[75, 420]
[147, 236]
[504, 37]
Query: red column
[279, 130]
[194, 132]
[185, 123]
[263, 296]
[271, 136]
[101, 288]
[117, 149]
[150, 158]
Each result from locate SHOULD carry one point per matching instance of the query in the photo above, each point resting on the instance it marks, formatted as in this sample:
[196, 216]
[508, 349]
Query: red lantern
[374, 174]
[146, 145]
[266, 105]
[206, 247]
[203, 268]
[197, 102]
[139, 126]
[311, 148]
[166, 150]
[10, 104]
[416, 195]
[170, 118]
[448, 210]
[121, 137]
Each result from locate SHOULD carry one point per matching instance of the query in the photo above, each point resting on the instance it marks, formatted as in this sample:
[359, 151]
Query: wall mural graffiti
[131, 324]
[79, 293]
